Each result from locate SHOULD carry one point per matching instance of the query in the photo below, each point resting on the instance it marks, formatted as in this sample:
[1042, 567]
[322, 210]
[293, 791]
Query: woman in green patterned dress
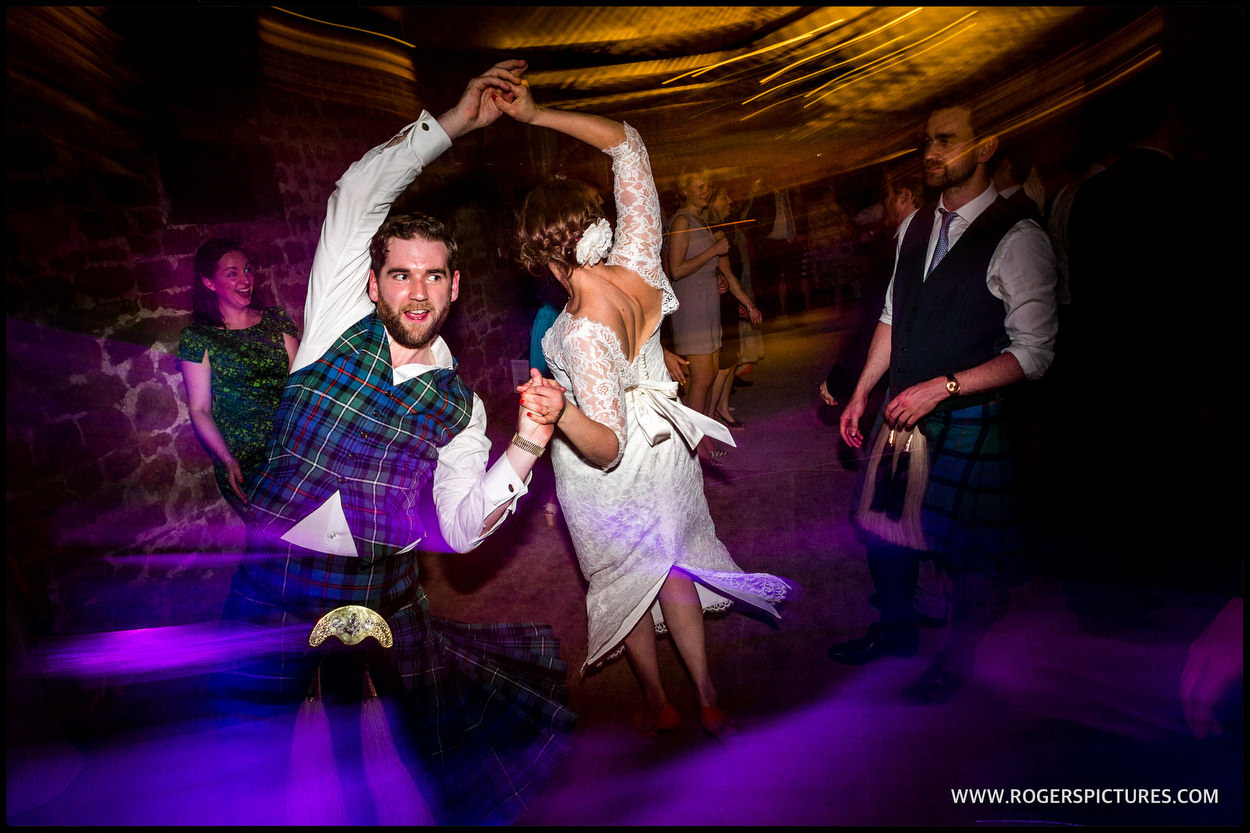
[235, 359]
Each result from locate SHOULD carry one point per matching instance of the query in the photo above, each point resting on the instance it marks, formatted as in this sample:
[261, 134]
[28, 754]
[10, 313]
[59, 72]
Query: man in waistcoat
[969, 314]
[374, 409]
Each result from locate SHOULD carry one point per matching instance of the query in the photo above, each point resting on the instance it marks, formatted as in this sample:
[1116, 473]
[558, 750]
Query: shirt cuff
[426, 138]
[501, 485]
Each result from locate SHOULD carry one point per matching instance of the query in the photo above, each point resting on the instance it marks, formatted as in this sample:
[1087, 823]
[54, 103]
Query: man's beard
[407, 333]
[949, 176]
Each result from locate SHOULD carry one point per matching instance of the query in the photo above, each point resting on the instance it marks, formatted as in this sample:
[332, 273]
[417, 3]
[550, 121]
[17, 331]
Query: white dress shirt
[1021, 274]
[465, 492]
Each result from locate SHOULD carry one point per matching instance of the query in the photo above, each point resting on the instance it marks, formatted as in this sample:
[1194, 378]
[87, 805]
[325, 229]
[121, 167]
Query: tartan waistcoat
[950, 321]
[343, 426]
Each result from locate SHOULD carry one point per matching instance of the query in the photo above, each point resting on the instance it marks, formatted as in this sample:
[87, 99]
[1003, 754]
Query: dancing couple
[374, 408]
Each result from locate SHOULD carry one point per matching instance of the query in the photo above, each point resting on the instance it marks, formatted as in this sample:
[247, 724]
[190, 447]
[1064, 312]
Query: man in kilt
[970, 312]
[373, 410]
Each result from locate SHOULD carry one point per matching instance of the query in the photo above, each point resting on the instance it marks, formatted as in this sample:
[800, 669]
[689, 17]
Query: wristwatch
[952, 384]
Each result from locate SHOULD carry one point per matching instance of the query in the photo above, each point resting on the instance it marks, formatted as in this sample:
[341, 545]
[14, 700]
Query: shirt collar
[969, 211]
[442, 361]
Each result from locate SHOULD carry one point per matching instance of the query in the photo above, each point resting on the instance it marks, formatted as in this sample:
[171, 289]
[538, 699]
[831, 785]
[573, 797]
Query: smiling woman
[235, 358]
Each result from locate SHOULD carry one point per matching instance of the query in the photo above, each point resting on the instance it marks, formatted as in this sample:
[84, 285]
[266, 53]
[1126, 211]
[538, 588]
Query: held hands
[542, 405]
[478, 105]
[518, 103]
[756, 316]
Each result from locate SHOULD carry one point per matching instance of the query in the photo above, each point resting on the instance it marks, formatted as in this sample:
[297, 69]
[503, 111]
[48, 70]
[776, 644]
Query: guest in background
[732, 294]
[693, 263]
[235, 358]
[970, 314]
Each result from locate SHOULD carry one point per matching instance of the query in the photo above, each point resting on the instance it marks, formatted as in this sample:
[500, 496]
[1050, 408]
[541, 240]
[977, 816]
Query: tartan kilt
[971, 513]
[484, 706]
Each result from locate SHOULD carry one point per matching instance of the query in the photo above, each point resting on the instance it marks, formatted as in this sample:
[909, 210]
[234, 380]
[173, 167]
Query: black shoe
[878, 642]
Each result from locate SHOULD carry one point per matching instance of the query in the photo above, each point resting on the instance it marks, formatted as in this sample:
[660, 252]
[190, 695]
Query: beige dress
[696, 323]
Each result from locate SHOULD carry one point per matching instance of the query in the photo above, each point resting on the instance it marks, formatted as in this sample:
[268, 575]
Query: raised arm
[362, 198]
[479, 104]
[636, 243]
[597, 131]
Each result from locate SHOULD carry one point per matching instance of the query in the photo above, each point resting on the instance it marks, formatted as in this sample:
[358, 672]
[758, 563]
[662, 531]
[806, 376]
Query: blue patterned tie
[944, 242]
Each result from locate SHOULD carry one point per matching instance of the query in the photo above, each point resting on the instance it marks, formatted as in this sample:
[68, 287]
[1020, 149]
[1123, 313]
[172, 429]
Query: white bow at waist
[658, 412]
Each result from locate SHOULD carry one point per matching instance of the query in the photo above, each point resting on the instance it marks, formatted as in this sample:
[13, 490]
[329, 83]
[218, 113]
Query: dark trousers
[895, 571]
[978, 599]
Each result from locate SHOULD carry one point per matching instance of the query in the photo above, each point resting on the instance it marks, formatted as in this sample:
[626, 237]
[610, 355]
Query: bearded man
[374, 408]
[969, 314]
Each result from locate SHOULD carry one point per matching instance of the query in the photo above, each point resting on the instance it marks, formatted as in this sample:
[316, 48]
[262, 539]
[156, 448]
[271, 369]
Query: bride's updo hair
[552, 221]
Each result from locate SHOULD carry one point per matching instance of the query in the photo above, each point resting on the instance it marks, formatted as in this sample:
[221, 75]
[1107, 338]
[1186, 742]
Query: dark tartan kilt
[971, 514]
[484, 706]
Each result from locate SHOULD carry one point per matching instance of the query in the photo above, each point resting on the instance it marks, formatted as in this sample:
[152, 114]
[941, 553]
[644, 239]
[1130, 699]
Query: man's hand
[826, 396]
[848, 425]
[918, 401]
[542, 405]
[478, 107]
[519, 103]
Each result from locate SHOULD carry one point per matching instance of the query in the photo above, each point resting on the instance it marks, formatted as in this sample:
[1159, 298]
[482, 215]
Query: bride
[626, 473]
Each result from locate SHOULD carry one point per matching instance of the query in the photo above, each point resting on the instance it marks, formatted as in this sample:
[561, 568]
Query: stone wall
[130, 140]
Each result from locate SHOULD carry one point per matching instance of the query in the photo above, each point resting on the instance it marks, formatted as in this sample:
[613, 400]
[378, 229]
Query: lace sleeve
[595, 364]
[638, 233]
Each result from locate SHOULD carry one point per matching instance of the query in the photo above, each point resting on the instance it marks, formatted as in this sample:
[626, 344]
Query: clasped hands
[479, 104]
[542, 406]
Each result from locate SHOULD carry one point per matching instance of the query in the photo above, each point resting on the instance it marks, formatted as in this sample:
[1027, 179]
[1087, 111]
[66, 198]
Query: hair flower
[595, 244]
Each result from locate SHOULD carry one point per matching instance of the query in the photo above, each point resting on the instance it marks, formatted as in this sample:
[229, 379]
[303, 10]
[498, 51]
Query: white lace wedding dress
[646, 512]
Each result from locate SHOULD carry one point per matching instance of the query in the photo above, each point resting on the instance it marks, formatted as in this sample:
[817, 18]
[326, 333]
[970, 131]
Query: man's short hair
[977, 116]
[411, 227]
